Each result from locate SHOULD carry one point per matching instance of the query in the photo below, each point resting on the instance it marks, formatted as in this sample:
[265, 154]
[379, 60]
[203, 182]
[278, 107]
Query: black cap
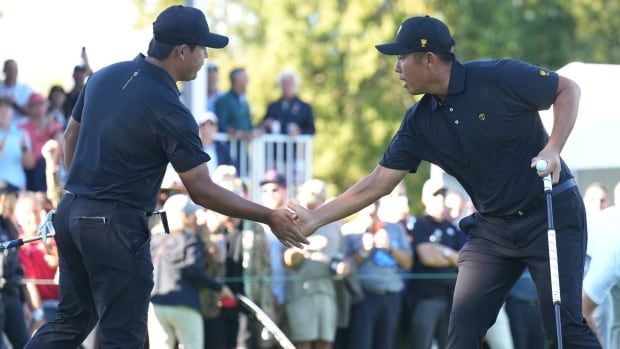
[272, 176]
[420, 34]
[180, 25]
[8, 188]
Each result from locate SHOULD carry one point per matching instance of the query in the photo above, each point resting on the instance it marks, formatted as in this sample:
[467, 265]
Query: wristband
[447, 252]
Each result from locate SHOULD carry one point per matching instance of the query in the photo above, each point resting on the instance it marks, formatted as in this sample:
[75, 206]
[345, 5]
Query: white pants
[167, 324]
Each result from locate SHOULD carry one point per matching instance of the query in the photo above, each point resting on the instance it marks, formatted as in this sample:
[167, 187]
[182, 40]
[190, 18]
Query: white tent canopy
[595, 140]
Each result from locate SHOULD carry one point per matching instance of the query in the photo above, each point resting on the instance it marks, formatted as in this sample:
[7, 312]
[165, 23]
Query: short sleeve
[399, 154]
[79, 105]
[527, 86]
[177, 134]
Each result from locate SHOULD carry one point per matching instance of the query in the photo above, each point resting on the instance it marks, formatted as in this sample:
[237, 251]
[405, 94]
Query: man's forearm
[363, 193]
[71, 136]
[210, 195]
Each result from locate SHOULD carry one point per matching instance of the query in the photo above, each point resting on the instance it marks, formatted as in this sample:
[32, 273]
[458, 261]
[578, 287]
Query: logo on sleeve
[543, 73]
[423, 42]
[482, 116]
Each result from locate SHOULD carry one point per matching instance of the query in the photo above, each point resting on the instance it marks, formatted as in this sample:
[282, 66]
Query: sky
[46, 37]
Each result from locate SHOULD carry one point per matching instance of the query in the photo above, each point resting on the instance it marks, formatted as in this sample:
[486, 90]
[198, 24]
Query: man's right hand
[283, 225]
[304, 218]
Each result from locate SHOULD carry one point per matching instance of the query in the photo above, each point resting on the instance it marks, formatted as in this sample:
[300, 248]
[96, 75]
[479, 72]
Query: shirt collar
[156, 72]
[455, 85]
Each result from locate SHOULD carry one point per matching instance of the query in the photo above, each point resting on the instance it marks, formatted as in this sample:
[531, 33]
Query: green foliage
[356, 95]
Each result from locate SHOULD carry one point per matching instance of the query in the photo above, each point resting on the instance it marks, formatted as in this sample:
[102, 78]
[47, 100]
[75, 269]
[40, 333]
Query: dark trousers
[525, 324]
[221, 332]
[496, 254]
[12, 318]
[430, 320]
[105, 275]
[374, 321]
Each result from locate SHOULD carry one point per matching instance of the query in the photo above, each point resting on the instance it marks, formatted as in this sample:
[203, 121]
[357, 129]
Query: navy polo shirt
[484, 133]
[132, 123]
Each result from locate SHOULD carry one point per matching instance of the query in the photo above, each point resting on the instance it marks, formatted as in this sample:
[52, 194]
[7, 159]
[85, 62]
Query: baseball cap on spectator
[181, 25]
[433, 187]
[180, 203]
[8, 188]
[272, 176]
[201, 118]
[420, 34]
[36, 99]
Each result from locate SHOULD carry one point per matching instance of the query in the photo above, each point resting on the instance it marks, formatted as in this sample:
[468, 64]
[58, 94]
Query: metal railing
[289, 155]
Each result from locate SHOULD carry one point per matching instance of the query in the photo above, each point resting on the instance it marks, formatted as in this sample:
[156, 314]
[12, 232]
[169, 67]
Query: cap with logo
[181, 25]
[420, 34]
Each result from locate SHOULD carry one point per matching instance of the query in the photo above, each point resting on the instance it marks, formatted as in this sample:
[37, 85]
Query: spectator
[310, 294]
[218, 151]
[289, 114]
[15, 148]
[39, 260]
[213, 90]
[595, 198]
[56, 99]
[522, 309]
[12, 321]
[257, 284]
[222, 237]
[274, 196]
[436, 242]
[41, 127]
[16, 92]
[233, 109]
[178, 259]
[601, 285]
[80, 73]
[380, 251]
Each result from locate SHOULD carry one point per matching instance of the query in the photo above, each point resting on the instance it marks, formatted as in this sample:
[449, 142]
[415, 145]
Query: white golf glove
[46, 228]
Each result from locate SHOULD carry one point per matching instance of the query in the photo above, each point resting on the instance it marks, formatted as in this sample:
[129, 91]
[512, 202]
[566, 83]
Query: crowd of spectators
[383, 279]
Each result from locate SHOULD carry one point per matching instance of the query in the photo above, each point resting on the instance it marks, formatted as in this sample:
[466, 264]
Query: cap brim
[392, 49]
[216, 41]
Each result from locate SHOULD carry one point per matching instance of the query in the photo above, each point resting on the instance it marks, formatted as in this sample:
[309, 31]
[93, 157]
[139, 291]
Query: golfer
[127, 125]
[479, 121]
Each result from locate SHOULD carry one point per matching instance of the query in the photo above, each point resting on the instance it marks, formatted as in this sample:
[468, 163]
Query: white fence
[289, 155]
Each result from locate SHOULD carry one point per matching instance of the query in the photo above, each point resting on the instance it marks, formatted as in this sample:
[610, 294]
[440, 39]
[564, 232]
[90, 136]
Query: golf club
[541, 166]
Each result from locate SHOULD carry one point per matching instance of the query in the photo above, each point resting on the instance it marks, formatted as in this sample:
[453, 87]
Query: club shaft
[558, 325]
[553, 260]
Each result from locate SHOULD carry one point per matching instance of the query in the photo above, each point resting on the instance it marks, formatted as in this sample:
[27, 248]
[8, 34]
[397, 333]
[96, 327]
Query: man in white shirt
[17, 92]
[601, 285]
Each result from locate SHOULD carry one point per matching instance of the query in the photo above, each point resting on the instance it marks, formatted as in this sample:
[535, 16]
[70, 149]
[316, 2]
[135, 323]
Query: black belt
[161, 213]
[538, 201]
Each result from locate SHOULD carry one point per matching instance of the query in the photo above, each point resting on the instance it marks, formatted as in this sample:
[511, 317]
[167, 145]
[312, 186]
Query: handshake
[293, 225]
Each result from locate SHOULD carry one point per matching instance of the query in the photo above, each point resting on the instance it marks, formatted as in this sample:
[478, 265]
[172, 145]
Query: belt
[539, 200]
[161, 213]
